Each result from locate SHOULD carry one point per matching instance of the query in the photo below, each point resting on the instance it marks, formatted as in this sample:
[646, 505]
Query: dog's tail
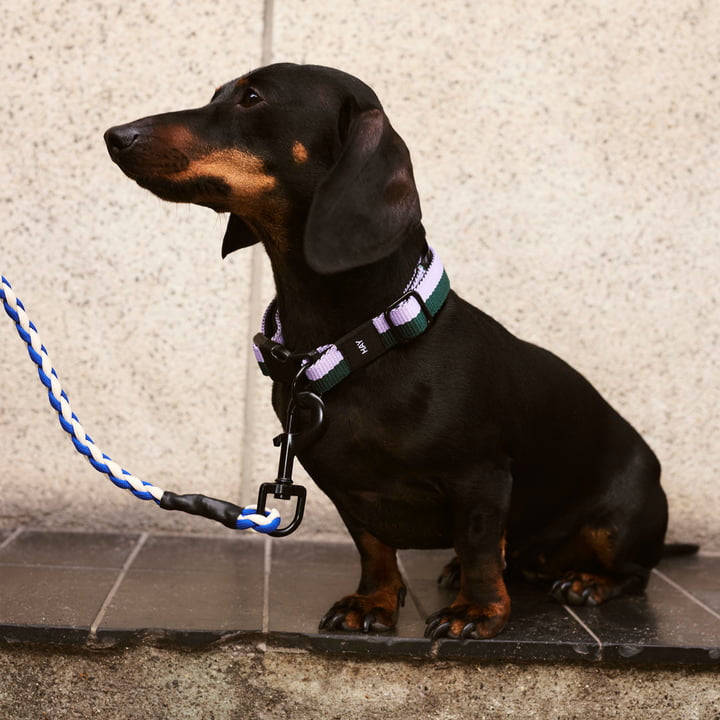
[673, 549]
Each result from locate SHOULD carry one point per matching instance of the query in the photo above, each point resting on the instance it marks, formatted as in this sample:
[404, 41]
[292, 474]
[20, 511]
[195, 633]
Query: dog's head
[298, 154]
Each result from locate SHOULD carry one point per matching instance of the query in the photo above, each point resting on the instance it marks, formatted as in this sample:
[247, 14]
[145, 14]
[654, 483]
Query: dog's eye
[250, 97]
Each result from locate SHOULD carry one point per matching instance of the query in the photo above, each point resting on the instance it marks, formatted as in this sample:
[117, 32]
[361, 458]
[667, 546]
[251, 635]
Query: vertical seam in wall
[267, 39]
[255, 298]
[251, 372]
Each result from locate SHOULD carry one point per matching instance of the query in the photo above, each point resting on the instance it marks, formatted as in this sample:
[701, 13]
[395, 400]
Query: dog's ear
[238, 235]
[367, 202]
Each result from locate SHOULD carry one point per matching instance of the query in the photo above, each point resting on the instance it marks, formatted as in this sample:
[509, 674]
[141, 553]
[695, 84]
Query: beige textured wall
[567, 157]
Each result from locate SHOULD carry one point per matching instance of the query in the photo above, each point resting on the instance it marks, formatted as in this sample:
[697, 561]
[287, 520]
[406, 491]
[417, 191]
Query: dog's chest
[394, 498]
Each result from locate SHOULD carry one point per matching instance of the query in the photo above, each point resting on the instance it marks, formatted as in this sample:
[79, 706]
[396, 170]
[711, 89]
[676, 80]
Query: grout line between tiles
[118, 581]
[686, 593]
[13, 535]
[585, 627]
[267, 566]
[56, 566]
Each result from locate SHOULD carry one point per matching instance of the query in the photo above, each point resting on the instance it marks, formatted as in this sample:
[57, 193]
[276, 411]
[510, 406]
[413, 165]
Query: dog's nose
[120, 138]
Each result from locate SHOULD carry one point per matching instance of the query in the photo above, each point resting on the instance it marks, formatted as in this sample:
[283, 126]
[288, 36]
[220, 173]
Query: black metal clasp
[281, 364]
[283, 491]
[289, 442]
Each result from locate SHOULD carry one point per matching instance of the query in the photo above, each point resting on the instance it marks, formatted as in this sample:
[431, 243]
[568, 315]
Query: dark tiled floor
[106, 588]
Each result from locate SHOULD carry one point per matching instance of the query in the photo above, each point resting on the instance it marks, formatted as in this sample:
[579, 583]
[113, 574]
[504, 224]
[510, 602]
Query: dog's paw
[377, 612]
[450, 576]
[467, 621]
[587, 589]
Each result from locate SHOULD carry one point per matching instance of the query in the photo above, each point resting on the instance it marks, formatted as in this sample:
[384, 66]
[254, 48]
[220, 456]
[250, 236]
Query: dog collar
[324, 367]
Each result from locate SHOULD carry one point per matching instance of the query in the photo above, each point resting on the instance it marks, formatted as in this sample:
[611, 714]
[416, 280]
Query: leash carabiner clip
[283, 491]
[283, 488]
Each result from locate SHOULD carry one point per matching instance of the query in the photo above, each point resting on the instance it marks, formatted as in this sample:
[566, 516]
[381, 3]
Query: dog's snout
[120, 138]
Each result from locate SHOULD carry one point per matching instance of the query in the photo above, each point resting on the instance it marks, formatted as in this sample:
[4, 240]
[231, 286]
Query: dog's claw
[432, 623]
[469, 631]
[467, 621]
[577, 590]
[368, 622]
[361, 613]
[331, 620]
[374, 625]
[559, 590]
[437, 629]
[336, 621]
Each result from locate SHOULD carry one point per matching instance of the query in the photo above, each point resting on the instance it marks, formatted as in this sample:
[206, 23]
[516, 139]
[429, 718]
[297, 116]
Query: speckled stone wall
[567, 158]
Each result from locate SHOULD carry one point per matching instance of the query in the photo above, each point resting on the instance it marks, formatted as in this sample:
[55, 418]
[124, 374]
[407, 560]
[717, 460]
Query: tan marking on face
[252, 190]
[299, 152]
[244, 172]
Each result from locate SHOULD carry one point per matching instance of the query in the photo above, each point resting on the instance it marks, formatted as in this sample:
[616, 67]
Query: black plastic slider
[220, 510]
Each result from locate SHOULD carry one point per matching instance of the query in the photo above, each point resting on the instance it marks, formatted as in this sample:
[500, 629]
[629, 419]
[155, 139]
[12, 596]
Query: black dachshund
[442, 429]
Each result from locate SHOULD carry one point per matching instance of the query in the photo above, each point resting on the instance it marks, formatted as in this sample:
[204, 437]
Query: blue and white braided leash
[230, 515]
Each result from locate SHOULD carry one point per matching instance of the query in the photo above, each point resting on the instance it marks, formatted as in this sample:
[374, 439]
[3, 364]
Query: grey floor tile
[539, 628]
[307, 578]
[69, 549]
[662, 625]
[186, 583]
[179, 601]
[53, 596]
[235, 553]
[193, 590]
[698, 575]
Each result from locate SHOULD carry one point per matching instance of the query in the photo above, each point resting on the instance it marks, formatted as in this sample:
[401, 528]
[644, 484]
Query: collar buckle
[395, 329]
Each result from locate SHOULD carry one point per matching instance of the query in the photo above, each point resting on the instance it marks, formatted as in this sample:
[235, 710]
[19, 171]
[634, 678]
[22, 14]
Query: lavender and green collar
[409, 316]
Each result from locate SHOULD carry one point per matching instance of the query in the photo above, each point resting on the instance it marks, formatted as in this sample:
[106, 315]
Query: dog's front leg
[479, 509]
[375, 605]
